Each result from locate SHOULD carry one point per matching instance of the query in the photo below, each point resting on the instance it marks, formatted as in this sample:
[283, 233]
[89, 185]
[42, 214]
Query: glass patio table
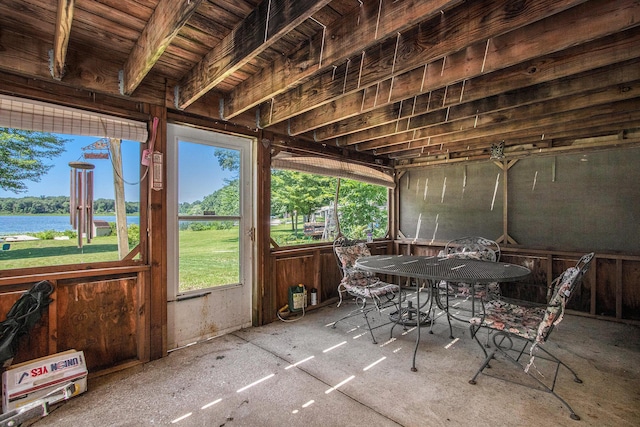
[433, 269]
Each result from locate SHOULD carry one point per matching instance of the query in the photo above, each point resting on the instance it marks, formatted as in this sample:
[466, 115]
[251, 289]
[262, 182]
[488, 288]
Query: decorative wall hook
[497, 150]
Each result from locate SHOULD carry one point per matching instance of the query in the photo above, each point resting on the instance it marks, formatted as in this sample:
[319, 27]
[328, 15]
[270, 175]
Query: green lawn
[283, 235]
[38, 253]
[207, 258]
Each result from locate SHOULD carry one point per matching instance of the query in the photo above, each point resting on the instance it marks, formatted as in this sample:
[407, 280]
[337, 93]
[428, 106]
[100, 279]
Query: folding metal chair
[529, 325]
[370, 293]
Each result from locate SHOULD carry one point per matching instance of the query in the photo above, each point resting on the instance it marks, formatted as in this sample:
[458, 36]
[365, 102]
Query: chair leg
[548, 389]
[485, 363]
[340, 291]
[362, 310]
[366, 318]
[560, 362]
[499, 346]
[474, 334]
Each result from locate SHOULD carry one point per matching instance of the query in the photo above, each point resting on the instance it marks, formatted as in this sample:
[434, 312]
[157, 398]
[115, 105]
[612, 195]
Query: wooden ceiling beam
[567, 64]
[618, 113]
[604, 136]
[588, 89]
[588, 22]
[334, 43]
[64, 19]
[269, 22]
[164, 24]
[371, 75]
[522, 117]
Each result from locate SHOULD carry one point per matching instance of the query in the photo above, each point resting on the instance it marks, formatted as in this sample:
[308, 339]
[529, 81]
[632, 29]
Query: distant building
[101, 228]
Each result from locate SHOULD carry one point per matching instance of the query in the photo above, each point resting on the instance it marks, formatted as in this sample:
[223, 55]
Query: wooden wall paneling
[263, 286]
[618, 289]
[99, 318]
[49, 91]
[291, 272]
[157, 217]
[581, 298]
[330, 277]
[144, 320]
[593, 288]
[316, 274]
[52, 319]
[605, 291]
[533, 288]
[269, 304]
[630, 279]
[36, 343]
[549, 269]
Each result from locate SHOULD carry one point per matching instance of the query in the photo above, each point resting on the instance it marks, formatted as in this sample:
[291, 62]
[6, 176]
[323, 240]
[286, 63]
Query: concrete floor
[305, 373]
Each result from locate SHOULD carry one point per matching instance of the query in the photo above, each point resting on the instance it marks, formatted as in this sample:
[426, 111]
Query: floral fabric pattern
[357, 282]
[464, 289]
[532, 323]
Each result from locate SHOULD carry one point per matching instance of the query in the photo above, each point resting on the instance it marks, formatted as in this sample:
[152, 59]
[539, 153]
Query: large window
[67, 198]
[210, 234]
[303, 208]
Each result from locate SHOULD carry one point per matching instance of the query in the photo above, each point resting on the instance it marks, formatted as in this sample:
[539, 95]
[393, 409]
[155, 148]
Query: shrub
[133, 235]
[46, 234]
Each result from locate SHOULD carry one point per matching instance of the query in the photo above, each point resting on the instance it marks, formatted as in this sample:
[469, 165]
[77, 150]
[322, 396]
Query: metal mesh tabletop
[450, 269]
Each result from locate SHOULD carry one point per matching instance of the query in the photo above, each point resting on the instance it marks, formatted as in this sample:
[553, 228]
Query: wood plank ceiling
[404, 81]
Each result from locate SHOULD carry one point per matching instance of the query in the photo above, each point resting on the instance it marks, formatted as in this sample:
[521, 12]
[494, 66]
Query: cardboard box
[33, 380]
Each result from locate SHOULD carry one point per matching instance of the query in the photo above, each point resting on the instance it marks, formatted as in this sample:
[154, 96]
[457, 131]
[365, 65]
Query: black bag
[23, 316]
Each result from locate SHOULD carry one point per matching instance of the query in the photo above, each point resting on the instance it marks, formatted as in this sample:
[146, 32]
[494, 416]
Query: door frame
[220, 309]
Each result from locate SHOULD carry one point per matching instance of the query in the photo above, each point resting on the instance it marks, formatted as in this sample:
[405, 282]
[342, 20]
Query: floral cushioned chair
[369, 292]
[532, 325]
[471, 247]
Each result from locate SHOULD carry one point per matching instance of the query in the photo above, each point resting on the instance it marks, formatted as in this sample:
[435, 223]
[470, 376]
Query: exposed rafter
[346, 37]
[64, 18]
[271, 20]
[381, 75]
[165, 23]
[550, 76]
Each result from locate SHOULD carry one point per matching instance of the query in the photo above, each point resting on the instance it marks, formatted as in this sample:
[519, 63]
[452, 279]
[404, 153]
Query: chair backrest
[566, 284]
[347, 252]
[474, 247]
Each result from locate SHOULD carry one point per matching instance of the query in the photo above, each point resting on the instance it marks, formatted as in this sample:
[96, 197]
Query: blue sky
[200, 174]
[56, 182]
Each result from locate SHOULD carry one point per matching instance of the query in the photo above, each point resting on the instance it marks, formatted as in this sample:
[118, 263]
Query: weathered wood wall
[104, 315]
[313, 266]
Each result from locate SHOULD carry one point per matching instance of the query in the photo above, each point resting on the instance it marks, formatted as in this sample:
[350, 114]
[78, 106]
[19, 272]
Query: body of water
[21, 224]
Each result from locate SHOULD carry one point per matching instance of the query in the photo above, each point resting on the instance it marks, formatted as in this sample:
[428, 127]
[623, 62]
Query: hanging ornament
[81, 203]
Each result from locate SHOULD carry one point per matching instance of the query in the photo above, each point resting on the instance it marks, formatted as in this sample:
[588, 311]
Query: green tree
[23, 154]
[362, 208]
[299, 193]
[225, 201]
[228, 159]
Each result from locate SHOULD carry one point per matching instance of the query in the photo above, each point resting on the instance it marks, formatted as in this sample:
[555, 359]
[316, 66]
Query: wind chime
[81, 204]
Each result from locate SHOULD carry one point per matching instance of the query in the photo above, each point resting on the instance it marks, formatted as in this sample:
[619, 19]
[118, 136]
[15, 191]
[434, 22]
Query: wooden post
[156, 221]
[121, 210]
[505, 166]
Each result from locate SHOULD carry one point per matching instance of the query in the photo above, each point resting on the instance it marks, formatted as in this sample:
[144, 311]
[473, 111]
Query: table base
[410, 316]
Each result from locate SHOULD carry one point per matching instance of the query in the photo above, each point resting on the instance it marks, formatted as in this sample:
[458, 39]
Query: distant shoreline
[12, 225]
